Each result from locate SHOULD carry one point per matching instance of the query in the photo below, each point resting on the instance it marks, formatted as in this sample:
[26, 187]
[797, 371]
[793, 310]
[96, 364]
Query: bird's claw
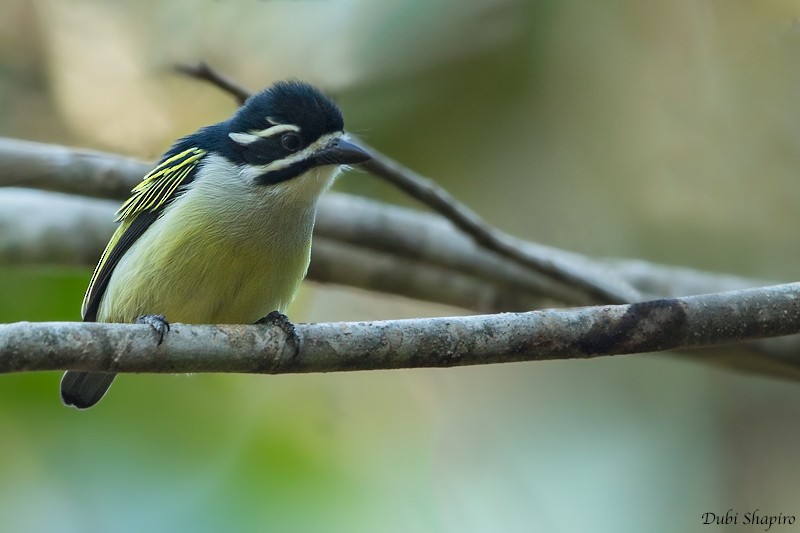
[276, 318]
[157, 322]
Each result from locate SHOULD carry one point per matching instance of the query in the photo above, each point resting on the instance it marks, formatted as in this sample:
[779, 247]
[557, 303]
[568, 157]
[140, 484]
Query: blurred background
[664, 131]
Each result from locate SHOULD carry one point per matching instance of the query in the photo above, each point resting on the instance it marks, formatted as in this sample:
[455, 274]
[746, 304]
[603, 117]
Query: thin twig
[424, 190]
[203, 71]
[683, 323]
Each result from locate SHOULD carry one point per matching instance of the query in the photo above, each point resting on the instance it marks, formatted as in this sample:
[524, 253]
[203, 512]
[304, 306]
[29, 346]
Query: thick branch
[657, 325]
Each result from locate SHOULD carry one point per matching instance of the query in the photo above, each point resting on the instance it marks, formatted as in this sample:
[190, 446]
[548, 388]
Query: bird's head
[286, 131]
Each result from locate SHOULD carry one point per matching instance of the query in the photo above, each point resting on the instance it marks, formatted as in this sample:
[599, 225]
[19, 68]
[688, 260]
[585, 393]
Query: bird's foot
[276, 318]
[157, 322]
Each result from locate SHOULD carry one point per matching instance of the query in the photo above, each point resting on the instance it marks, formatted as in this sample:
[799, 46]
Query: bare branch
[44, 227]
[58, 168]
[601, 289]
[37, 227]
[658, 325]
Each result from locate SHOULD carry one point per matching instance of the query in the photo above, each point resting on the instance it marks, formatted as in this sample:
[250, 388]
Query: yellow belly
[200, 273]
[195, 283]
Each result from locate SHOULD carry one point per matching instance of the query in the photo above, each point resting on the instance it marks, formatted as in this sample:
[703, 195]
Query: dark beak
[342, 152]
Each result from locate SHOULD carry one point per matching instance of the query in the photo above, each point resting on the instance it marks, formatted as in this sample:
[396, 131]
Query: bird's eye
[291, 142]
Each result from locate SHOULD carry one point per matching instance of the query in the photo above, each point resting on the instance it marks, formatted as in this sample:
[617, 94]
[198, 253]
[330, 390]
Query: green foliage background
[666, 131]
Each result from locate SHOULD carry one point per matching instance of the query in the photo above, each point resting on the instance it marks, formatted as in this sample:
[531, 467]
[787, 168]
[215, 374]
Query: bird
[219, 231]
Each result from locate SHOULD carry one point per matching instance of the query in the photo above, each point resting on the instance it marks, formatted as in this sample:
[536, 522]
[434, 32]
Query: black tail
[84, 389]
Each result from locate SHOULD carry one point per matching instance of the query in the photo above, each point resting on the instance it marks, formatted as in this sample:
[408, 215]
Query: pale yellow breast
[212, 260]
[195, 280]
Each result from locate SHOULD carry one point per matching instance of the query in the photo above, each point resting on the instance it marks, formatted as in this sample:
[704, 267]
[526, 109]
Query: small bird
[219, 232]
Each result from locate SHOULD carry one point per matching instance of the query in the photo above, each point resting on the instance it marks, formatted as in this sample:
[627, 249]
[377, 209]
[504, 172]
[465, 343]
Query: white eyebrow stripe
[274, 130]
[255, 135]
[243, 138]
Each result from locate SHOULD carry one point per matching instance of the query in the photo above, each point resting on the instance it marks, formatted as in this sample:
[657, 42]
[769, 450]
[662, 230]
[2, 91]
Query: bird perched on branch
[219, 232]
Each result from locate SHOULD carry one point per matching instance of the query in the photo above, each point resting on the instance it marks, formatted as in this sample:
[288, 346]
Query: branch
[48, 228]
[58, 168]
[354, 266]
[601, 289]
[357, 243]
[658, 325]
[42, 227]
